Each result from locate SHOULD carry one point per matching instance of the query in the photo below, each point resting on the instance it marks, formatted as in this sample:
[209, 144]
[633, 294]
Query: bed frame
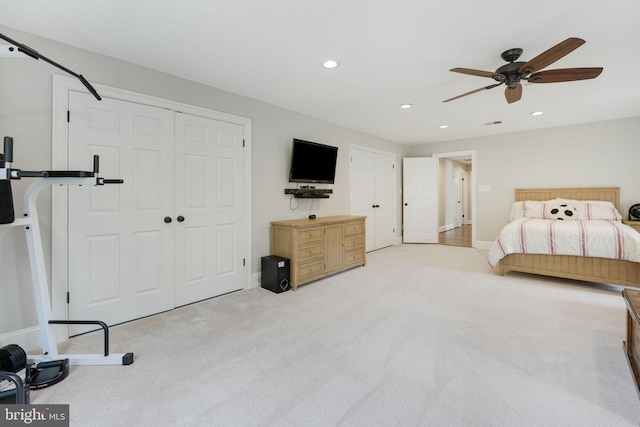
[588, 269]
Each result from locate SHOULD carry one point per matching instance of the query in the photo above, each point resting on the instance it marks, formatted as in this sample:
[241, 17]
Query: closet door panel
[208, 186]
[118, 240]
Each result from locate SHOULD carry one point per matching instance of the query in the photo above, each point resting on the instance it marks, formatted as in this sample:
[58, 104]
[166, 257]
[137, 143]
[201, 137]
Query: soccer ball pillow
[562, 212]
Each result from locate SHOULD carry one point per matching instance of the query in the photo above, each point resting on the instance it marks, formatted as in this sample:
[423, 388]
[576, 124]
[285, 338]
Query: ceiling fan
[515, 71]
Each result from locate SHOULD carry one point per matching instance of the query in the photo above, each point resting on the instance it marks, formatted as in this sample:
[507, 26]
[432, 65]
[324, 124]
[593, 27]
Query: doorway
[457, 198]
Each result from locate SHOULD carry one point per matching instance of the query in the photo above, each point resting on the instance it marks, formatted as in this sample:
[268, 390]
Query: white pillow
[581, 209]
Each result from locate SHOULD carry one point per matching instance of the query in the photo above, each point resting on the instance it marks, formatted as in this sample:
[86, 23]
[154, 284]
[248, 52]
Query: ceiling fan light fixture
[515, 72]
[330, 63]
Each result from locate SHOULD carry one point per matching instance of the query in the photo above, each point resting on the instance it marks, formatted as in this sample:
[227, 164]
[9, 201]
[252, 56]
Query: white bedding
[592, 238]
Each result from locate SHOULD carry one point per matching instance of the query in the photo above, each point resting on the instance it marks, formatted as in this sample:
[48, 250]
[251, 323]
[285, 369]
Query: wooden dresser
[319, 247]
[632, 344]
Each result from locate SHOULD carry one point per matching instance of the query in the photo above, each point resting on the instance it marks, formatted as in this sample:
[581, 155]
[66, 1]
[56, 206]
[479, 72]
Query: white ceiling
[390, 52]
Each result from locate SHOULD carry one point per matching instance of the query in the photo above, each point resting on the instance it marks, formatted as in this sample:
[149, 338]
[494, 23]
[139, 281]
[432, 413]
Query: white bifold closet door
[171, 233]
[373, 183]
[208, 195]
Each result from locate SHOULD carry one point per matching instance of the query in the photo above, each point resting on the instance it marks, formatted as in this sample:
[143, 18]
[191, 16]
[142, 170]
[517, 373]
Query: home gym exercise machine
[31, 225]
[49, 367]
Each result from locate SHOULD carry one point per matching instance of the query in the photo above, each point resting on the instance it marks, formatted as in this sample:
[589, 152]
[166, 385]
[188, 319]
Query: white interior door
[362, 191]
[457, 197]
[172, 234]
[208, 209]
[373, 183]
[385, 204]
[118, 243]
[420, 199]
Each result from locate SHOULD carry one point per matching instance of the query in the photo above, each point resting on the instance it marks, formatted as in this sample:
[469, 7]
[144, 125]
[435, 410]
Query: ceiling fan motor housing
[511, 54]
[510, 71]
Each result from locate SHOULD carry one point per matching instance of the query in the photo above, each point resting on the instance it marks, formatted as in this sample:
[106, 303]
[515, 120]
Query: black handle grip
[113, 181]
[167, 219]
[180, 218]
[8, 149]
[32, 174]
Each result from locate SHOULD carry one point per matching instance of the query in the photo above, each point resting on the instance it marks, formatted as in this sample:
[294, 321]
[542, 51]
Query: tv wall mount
[309, 192]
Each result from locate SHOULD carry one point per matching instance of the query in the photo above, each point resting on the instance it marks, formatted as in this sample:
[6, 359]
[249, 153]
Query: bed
[617, 271]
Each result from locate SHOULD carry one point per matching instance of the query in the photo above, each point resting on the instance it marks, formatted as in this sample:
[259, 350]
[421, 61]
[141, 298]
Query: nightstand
[633, 224]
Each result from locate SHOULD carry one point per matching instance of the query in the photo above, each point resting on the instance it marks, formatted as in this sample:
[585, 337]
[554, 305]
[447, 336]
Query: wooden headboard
[609, 194]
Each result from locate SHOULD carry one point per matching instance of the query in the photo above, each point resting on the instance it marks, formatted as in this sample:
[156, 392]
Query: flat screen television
[312, 162]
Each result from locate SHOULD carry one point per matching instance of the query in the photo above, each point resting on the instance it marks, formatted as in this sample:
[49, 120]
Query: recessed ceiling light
[537, 113]
[444, 126]
[330, 64]
[406, 106]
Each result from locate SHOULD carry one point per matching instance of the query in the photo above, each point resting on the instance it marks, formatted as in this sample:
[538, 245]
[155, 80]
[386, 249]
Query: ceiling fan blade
[565, 75]
[473, 91]
[513, 94]
[550, 56]
[480, 73]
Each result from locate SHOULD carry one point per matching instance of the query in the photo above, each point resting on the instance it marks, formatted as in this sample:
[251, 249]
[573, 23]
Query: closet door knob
[180, 218]
[167, 219]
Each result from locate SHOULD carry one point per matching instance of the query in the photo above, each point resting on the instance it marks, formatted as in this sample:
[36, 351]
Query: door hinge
[67, 297]
[68, 116]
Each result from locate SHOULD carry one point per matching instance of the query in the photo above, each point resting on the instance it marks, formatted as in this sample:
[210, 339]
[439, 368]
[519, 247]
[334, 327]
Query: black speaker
[275, 273]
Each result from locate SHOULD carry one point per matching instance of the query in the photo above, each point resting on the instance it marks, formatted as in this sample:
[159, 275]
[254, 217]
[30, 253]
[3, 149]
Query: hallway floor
[460, 236]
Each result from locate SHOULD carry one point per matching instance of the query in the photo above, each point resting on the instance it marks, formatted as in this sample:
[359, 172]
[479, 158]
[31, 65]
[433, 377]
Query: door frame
[62, 85]
[472, 185]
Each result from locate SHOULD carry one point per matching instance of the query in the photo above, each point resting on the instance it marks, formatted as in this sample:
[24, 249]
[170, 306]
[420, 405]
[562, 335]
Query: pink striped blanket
[592, 238]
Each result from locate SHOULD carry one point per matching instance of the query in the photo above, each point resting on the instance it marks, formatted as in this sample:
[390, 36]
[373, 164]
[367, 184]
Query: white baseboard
[446, 227]
[255, 281]
[28, 339]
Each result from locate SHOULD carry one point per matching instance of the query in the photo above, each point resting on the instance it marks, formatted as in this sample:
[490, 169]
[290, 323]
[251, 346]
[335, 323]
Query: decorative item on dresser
[319, 247]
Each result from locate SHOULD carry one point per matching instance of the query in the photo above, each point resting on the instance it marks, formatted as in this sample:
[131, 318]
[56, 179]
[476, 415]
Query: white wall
[25, 114]
[593, 154]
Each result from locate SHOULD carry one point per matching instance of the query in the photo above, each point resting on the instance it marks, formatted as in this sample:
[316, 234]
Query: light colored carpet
[423, 335]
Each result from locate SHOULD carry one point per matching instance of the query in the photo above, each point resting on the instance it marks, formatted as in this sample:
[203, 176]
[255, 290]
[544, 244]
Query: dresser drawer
[354, 227]
[309, 270]
[310, 252]
[308, 235]
[353, 242]
[355, 257]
